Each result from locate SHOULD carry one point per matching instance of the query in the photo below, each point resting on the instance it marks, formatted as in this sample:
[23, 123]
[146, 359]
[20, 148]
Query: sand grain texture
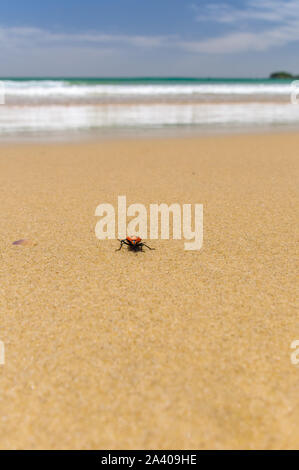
[166, 349]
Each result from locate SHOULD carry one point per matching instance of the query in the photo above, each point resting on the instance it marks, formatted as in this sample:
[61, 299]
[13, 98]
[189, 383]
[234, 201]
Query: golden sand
[165, 349]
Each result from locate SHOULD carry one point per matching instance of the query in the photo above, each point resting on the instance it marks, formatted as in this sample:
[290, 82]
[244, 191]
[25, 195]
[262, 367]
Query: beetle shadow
[135, 249]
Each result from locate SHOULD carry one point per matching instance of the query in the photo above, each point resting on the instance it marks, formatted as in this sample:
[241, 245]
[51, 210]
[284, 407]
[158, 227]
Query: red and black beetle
[133, 243]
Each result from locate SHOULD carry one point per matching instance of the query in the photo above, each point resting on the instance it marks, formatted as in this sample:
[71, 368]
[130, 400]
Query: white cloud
[245, 24]
[263, 10]
[30, 35]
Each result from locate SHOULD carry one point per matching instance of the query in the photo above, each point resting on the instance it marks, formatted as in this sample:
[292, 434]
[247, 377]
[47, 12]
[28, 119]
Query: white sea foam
[52, 89]
[30, 119]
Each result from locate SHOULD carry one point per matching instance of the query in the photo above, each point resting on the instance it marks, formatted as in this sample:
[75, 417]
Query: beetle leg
[143, 244]
[121, 245]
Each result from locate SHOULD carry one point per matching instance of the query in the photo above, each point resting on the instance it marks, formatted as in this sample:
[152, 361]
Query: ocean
[70, 106]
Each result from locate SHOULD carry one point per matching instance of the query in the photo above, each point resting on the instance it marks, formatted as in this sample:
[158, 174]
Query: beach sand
[166, 349]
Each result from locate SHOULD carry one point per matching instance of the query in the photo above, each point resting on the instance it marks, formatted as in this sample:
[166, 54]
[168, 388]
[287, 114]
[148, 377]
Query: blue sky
[244, 38]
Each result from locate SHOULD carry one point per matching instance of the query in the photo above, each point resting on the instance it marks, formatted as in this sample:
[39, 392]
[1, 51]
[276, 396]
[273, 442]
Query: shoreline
[111, 135]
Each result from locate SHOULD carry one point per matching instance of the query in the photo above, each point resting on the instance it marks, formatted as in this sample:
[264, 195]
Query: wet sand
[158, 350]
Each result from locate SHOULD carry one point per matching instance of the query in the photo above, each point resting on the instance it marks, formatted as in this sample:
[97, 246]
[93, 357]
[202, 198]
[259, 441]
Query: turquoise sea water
[147, 79]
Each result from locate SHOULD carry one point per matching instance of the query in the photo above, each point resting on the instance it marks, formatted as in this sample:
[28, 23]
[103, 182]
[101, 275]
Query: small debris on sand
[24, 242]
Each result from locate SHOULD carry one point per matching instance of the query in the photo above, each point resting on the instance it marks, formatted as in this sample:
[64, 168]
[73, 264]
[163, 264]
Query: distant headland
[284, 76]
